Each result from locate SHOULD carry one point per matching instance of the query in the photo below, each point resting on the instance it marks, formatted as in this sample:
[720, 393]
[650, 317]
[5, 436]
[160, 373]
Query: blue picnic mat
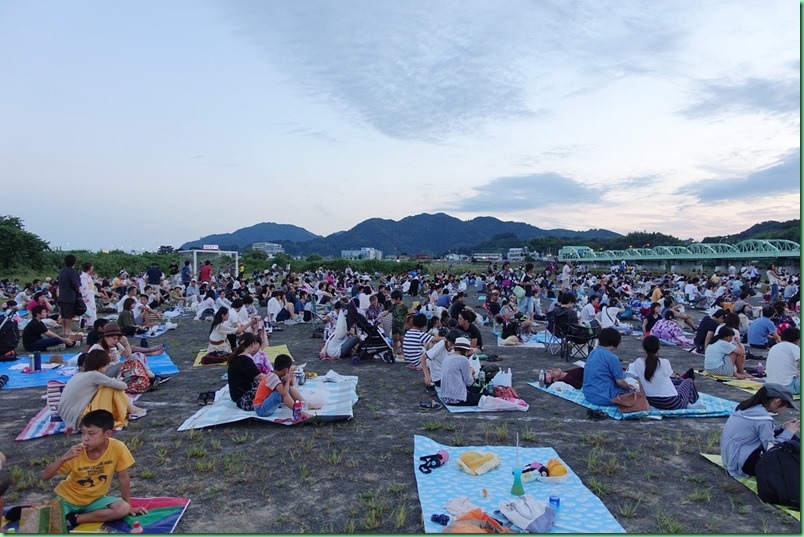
[715, 406]
[459, 409]
[580, 512]
[160, 364]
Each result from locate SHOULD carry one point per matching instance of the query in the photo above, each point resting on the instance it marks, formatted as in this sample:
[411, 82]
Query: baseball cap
[777, 390]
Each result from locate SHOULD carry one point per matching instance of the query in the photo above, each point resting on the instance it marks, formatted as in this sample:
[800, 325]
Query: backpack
[9, 337]
[778, 474]
[511, 328]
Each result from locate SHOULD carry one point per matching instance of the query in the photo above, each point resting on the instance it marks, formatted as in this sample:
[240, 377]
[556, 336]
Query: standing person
[174, 274]
[399, 313]
[89, 467]
[749, 430]
[526, 282]
[773, 281]
[154, 276]
[88, 292]
[566, 276]
[186, 274]
[69, 291]
[603, 377]
[205, 272]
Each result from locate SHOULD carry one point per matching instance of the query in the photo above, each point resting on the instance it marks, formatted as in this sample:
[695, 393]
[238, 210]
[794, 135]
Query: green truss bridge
[750, 249]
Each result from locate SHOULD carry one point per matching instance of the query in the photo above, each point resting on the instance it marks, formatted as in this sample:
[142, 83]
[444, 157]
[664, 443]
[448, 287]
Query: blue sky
[148, 123]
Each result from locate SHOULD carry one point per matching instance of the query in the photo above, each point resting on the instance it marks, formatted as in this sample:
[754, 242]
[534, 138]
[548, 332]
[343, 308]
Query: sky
[130, 125]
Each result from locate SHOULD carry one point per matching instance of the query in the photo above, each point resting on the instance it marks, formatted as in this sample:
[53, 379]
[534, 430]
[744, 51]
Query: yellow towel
[477, 463]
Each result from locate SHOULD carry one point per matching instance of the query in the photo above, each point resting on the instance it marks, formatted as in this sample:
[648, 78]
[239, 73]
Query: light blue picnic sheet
[531, 343]
[580, 510]
[715, 406]
[463, 409]
[340, 397]
[160, 364]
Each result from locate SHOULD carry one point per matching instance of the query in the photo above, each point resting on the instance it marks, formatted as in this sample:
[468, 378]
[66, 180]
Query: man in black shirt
[36, 336]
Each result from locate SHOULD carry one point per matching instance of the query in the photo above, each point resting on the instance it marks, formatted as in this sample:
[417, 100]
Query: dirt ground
[357, 476]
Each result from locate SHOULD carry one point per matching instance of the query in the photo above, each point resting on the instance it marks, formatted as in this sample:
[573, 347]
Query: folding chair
[318, 317]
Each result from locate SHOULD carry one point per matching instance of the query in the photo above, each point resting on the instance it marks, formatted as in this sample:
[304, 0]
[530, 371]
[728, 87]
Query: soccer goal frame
[202, 255]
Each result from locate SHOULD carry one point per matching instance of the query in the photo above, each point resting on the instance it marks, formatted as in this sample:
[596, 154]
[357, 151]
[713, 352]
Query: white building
[363, 253]
[270, 248]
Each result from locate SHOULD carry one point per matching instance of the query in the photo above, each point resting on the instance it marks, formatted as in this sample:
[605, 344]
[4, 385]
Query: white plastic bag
[474, 363]
[503, 378]
[502, 404]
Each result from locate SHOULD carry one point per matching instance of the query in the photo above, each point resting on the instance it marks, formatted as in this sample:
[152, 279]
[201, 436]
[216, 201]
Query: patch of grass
[650, 476]
[678, 442]
[333, 458]
[667, 524]
[555, 425]
[146, 474]
[196, 452]
[194, 434]
[401, 517]
[134, 443]
[698, 479]
[305, 472]
[241, 437]
[528, 435]
[594, 440]
[501, 430]
[396, 488]
[457, 438]
[629, 509]
[632, 454]
[215, 444]
[698, 495]
[432, 425]
[204, 466]
[349, 527]
[374, 407]
[42, 461]
[308, 446]
[597, 486]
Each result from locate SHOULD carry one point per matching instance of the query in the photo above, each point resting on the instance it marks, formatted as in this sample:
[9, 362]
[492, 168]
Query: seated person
[243, 374]
[573, 377]
[90, 389]
[125, 363]
[222, 332]
[781, 317]
[607, 316]
[668, 330]
[783, 361]
[723, 356]
[85, 500]
[36, 336]
[39, 299]
[416, 341]
[457, 376]
[433, 359]
[657, 379]
[678, 309]
[342, 340]
[762, 332]
[749, 430]
[706, 329]
[603, 377]
[144, 314]
[126, 319]
[466, 322]
[277, 387]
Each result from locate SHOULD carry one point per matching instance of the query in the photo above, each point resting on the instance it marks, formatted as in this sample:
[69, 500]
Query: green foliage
[20, 249]
[789, 230]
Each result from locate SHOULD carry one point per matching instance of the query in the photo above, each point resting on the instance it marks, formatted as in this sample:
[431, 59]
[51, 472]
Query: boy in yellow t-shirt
[89, 467]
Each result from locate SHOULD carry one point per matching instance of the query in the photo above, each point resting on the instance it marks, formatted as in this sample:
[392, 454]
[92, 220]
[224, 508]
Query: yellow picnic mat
[272, 353]
[746, 385]
[751, 484]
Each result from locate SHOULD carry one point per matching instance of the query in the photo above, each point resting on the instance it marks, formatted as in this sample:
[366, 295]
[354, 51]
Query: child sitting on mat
[89, 466]
[277, 387]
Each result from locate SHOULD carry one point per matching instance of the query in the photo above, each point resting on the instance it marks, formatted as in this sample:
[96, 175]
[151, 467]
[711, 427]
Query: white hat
[462, 343]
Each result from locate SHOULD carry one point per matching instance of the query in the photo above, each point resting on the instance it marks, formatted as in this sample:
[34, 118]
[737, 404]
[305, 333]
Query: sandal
[202, 398]
[135, 417]
[494, 358]
[430, 405]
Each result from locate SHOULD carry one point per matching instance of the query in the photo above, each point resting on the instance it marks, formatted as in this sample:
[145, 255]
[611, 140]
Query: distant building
[271, 249]
[517, 254]
[363, 253]
[486, 256]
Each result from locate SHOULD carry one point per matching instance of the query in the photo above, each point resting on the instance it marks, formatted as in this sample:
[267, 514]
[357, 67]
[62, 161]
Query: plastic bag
[502, 403]
[503, 378]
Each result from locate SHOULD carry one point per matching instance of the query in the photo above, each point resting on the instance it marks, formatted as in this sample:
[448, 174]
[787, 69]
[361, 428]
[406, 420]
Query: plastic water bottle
[541, 377]
[555, 500]
[37, 361]
[136, 528]
[297, 411]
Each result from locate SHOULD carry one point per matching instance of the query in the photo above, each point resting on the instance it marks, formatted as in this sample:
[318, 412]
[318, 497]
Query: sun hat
[111, 329]
[777, 390]
[462, 343]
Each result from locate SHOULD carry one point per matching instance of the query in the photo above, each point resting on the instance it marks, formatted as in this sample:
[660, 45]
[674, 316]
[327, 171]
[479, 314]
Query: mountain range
[434, 234]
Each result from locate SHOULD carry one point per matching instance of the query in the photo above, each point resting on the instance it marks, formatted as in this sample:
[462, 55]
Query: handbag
[80, 306]
[631, 402]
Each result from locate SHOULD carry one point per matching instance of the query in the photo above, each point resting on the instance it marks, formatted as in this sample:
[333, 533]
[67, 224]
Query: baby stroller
[372, 343]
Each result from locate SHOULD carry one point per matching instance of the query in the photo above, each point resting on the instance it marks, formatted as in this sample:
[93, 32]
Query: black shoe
[210, 398]
[72, 521]
[596, 415]
[162, 380]
[203, 397]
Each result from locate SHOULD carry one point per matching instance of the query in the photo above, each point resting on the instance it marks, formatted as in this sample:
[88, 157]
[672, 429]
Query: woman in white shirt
[607, 316]
[221, 330]
[773, 281]
[656, 377]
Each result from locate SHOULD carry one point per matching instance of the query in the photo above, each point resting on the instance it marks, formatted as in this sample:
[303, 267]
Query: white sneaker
[290, 322]
[171, 326]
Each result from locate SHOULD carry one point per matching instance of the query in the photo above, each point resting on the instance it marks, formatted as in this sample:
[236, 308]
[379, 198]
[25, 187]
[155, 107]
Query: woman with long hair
[750, 429]
[243, 375]
[656, 377]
